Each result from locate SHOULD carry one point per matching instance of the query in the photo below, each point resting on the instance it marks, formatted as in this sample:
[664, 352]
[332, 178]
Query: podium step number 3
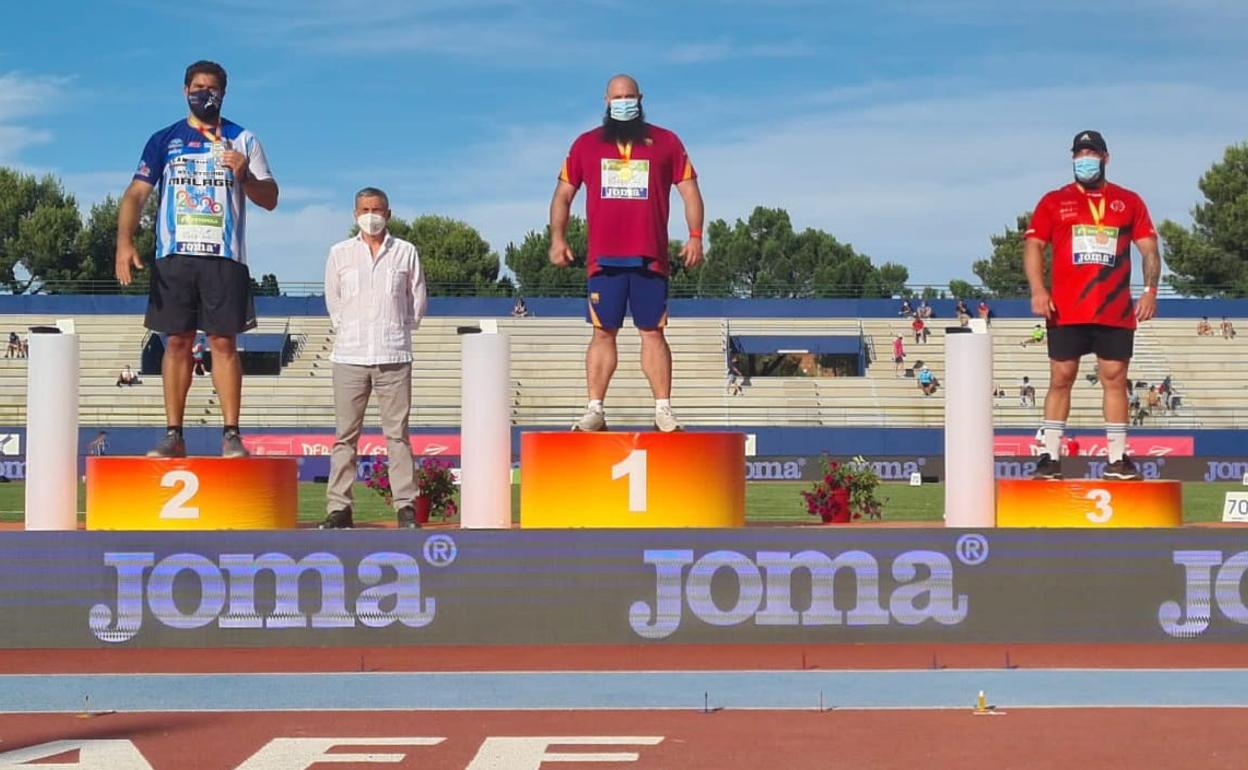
[631, 480]
[139, 493]
[1089, 503]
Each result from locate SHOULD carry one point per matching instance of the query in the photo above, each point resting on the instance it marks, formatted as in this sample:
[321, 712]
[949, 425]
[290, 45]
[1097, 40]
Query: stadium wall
[788, 441]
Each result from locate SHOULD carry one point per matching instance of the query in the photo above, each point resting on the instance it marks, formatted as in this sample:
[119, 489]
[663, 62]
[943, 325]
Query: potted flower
[435, 489]
[846, 492]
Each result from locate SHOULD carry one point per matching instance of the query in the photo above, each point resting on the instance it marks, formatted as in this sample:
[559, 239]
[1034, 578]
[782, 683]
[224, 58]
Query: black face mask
[205, 104]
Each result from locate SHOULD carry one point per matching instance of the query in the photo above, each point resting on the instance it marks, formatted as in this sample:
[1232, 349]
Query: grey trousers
[352, 386]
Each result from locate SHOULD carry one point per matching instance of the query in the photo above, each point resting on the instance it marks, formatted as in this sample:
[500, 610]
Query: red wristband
[695, 233]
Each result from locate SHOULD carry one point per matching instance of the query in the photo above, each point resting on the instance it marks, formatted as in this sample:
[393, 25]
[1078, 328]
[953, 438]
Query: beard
[625, 131]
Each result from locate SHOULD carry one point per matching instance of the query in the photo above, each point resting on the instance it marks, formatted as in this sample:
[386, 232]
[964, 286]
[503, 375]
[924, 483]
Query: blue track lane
[624, 690]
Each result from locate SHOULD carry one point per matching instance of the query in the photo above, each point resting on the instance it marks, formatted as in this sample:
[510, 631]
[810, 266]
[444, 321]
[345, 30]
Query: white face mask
[370, 223]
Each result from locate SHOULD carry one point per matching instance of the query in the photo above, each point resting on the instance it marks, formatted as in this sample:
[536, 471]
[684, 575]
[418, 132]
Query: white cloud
[23, 97]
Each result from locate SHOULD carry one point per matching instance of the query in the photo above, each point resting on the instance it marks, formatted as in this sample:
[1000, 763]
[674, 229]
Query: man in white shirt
[375, 294]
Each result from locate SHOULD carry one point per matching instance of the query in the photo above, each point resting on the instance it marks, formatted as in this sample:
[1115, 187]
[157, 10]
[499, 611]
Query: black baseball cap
[1089, 140]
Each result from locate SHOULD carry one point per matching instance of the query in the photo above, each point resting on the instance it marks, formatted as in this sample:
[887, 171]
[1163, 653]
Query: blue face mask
[1088, 168]
[625, 109]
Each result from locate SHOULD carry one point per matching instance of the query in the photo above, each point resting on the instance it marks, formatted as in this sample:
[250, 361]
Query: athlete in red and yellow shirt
[628, 167]
[1091, 225]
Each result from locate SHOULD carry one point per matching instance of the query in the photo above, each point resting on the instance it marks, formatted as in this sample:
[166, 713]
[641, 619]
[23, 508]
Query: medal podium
[1089, 503]
[192, 493]
[632, 480]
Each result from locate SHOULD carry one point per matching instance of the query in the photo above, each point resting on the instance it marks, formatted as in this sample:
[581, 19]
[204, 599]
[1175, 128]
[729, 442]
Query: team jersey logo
[1117, 207]
[189, 200]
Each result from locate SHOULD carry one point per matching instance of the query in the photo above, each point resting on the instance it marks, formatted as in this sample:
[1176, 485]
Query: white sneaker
[592, 421]
[665, 421]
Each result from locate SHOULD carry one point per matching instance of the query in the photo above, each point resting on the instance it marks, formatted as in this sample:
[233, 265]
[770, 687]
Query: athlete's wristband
[1150, 289]
[695, 233]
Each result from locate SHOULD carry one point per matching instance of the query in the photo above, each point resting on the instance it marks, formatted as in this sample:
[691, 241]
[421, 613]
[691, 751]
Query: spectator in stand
[1037, 336]
[1133, 398]
[128, 378]
[735, 379]
[962, 312]
[99, 445]
[906, 311]
[519, 310]
[1154, 399]
[17, 348]
[899, 354]
[920, 330]
[984, 311]
[1203, 328]
[1228, 329]
[927, 381]
[197, 358]
[925, 310]
[1071, 445]
[1027, 393]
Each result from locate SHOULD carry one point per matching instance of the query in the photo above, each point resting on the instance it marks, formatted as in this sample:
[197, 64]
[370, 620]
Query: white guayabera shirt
[374, 304]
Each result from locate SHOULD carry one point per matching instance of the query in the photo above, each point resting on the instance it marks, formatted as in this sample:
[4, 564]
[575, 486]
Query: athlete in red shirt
[628, 167]
[1091, 225]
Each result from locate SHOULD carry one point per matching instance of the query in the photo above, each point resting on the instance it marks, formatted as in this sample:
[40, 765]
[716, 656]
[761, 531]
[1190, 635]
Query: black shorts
[1112, 343]
[207, 294]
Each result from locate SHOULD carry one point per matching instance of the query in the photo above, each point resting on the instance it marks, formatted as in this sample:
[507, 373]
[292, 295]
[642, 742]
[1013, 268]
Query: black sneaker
[1123, 470]
[1047, 468]
[172, 445]
[338, 520]
[407, 518]
[232, 446]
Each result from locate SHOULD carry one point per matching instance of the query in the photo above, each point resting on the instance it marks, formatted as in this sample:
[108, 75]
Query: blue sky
[912, 130]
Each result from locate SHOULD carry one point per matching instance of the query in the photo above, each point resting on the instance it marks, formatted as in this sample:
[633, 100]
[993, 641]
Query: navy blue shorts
[639, 290]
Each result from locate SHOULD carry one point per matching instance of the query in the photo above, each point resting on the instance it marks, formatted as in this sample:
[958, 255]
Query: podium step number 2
[140, 493]
[632, 480]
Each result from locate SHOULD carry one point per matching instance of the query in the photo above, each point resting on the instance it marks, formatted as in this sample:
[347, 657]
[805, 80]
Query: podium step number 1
[632, 480]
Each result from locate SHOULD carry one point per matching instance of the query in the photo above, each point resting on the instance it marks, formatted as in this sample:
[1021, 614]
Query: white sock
[595, 405]
[1053, 437]
[1116, 440]
[662, 403]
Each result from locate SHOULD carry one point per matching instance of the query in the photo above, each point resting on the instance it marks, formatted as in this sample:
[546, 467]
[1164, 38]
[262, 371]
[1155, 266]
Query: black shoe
[172, 445]
[338, 520]
[1047, 468]
[1123, 470]
[407, 518]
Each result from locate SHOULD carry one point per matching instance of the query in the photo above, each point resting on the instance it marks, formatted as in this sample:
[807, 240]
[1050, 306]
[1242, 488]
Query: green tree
[964, 290]
[537, 277]
[763, 257]
[97, 247]
[453, 255]
[39, 223]
[267, 287]
[1002, 272]
[1211, 258]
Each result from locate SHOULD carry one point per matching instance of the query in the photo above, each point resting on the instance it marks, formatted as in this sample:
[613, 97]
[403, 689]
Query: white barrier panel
[52, 432]
[485, 432]
[969, 484]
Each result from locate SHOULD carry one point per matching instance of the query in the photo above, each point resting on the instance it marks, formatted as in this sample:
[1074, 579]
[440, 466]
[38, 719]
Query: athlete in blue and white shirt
[205, 168]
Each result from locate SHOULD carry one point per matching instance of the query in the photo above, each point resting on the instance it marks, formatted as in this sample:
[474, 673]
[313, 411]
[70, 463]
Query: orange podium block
[632, 480]
[142, 493]
[1089, 503]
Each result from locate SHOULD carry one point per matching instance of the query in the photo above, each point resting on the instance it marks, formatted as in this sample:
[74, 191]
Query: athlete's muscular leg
[1061, 379]
[1114, 384]
[600, 362]
[175, 373]
[227, 376]
[656, 362]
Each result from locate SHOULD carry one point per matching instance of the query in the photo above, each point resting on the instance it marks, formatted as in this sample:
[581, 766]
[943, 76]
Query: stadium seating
[548, 376]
